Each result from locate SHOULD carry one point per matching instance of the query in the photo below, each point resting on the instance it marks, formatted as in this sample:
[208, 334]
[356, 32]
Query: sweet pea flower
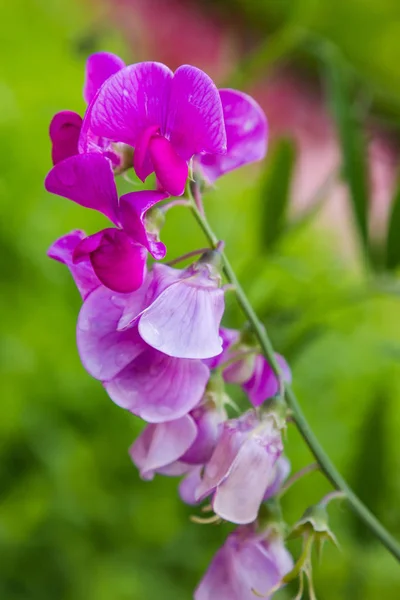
[251, 370]
[246, 134]
[118, 256]
[168, 118]
[248, 565]
[241, 468]
[139, 378]
[172, 448]
[66, 133]
[184, 311]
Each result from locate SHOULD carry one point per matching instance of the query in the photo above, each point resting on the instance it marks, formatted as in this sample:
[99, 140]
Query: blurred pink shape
[174, 32]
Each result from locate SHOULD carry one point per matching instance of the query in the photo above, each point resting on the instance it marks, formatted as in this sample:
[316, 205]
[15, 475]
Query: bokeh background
[314, 234]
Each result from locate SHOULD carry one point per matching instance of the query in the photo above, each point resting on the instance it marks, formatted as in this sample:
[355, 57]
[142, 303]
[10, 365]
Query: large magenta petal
[62, 250]
[246, 131]
[158, 388]
[130, 101]
[171, 170]
[161, 444]
[132, 213]
[86, 179]
[183, 321]
[104, 351]
[195, 122]
[99, 67]
[65, 128]
[118, 262]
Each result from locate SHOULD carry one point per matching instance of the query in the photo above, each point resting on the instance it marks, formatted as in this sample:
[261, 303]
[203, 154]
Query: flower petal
[86, 179]
[246, 132]
[118, 262]
[195, 122]
[171, 170]
[162, 444]
[221, 461]
[103, 350]
[130, 101]
[62, 250]
[132, 212]
[99, 67]
[189, 484]
[65, 128]
[263, 383]
[158, 388]
[238, 497]
[184, 320]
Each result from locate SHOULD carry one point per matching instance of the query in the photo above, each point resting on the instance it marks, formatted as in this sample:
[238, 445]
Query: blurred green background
[76, 521]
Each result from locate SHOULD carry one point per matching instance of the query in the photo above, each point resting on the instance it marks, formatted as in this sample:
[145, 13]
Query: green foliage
[393, 233]
[275, 194]
[76, 522]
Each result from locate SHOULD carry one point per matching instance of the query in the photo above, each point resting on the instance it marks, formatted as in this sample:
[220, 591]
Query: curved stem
[327, 467]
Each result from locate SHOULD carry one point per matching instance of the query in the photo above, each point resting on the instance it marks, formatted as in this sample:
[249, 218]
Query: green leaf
[352, 141]
[393, 233]
[275, 194]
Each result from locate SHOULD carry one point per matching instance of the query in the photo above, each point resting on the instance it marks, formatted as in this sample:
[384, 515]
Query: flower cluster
[152, 333]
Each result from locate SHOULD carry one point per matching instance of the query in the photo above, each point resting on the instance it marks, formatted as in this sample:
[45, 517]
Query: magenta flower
[66, 132]
[137, 377]
[167, 117]
[172, 448]
[251, 371]
[263, 383]
[246, 133]
[118, 256]
[242, 467]
[184, 312]
[248, 565]
[63, 249]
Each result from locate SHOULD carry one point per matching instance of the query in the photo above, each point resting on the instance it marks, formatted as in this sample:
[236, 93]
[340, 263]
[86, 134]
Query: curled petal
[184, 320]
[246, 131]
[239, 495]
[189, 484]
[209, 428]
[104, 351]
[141, 158]
[280, 474]
[195, 121]
[86, 179]
[220, 461]
[99, 67]
[118, 262]
[130, 101]
[62, 250]
[132, 213]
[263, 383]
[171, 170]
[159, 388]
[161, 444]
[64, 133]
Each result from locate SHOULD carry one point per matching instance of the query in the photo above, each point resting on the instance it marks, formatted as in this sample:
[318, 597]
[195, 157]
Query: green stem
[323, 460]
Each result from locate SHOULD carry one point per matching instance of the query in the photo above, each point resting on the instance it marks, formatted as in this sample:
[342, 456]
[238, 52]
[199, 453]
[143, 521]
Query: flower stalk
[325, 463]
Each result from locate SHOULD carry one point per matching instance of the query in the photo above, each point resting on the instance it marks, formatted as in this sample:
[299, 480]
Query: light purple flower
[137, 377]
[118, 256]
[242, 467]
[184, 316]
[248, 565]
[281, 471]
[167, 117]
[67, 135]
[189, 440]
[246, 132]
